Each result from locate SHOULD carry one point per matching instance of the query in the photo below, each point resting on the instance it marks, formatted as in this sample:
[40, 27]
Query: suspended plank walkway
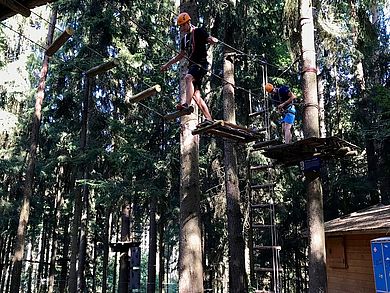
[309, 148]
[227, 130]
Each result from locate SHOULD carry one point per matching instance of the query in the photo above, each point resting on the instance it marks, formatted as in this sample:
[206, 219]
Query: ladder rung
[267, 269]
[257, 113]
[262, 186]
[260, 205]
[255, 225]
[261, 167]
[258, 130]
[264, 247]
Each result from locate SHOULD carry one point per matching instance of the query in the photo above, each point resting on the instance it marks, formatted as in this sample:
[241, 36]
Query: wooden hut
[348, 249]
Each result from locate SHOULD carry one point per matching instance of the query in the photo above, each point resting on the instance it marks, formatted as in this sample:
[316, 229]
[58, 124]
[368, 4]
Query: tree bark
[237, 276]
[57, 214]
[81, 193]
[190, 242]
[316, 237]
[106, 249]
[30, 171]
[124, 258]
[151, 284]
[161, 250]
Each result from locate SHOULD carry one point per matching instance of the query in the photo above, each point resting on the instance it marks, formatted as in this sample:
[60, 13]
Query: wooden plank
[325, 148]
[225, 129]
[262, 144]
[145, 94]
[265, 247]
[226, 135]
[176, 114]
[261, 167]
[205, 126]
[56, 45]
[102, 68]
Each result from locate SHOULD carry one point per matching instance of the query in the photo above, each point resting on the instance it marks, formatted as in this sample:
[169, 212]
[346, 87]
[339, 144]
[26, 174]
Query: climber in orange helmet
[193, 45]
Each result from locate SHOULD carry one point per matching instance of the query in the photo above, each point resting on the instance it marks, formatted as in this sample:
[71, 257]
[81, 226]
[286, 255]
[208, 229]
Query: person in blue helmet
[285, 98]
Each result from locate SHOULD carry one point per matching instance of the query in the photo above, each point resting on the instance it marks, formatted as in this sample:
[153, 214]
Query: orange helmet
[269, 87]
[183, 18]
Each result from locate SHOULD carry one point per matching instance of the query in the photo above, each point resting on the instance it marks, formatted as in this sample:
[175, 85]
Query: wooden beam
[102, 68]
[145, 94]
[59, 41]
[17, 7]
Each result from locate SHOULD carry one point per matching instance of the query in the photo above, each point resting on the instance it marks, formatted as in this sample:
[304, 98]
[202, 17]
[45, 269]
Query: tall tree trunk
[106, 249]
[83, 236]
[79, 193]
[190, 243]
[161, 272]
[65, 253]
[30, 171]
[315, 218]
[124, 258]
[57, 215]
[151, 285]
[237, 276]
[43, 240]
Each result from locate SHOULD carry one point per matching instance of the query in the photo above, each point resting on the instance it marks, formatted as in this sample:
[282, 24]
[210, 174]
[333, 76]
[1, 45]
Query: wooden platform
[123, 246]
[306, 149]
[227, 130]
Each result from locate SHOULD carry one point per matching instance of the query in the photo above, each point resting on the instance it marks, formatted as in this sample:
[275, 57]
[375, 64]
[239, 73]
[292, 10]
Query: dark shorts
[197, 71]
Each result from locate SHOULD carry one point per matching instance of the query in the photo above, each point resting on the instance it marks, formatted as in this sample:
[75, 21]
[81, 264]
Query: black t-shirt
[194, 43]
[281, 96]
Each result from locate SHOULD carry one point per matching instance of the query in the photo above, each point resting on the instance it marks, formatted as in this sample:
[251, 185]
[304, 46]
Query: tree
[30, 171]
[190, 246]
[315, 217]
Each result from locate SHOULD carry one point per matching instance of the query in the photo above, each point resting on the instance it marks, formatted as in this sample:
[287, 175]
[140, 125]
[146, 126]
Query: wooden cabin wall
[349, 263]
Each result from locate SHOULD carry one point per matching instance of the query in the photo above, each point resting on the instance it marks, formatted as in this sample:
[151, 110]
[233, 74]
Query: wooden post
[59, 41]
[17, 7]
[102, 68]
[145, 94]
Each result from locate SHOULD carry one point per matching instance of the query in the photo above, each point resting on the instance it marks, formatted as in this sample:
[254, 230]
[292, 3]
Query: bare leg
[287, 132]
[189, 88]
[202, 105]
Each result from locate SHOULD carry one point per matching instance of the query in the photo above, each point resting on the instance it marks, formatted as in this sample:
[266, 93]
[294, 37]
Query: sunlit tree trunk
[190, 243]
[315, 218]
[30, 171]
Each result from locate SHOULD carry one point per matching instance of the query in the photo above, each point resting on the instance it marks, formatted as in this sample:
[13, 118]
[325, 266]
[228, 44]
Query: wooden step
[262, 226]
[266, 269]
[261, 167]
[260, 205]
[265, 247]
[257, 113]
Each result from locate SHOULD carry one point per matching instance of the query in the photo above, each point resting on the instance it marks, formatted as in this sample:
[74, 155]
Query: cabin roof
[370, 220]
